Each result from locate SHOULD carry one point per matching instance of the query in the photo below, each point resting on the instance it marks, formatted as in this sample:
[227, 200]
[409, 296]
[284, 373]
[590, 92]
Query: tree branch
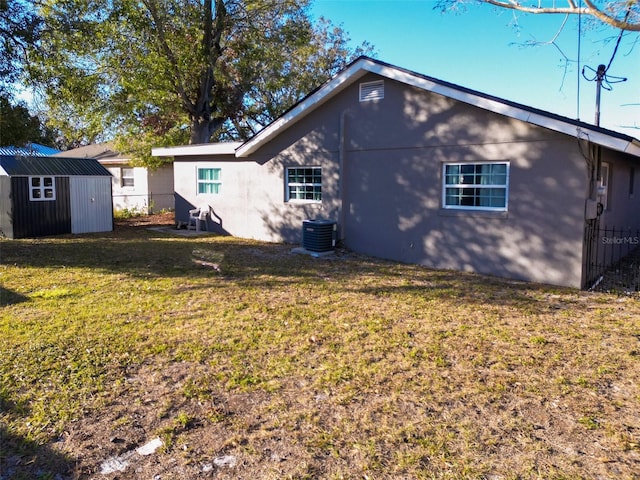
[572, 9]
[178, 81]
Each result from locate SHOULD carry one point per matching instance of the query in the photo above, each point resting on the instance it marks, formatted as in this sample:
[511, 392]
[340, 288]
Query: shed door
[91, 207]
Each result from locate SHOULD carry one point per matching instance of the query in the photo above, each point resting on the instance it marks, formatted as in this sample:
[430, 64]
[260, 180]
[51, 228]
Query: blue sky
[483, 48]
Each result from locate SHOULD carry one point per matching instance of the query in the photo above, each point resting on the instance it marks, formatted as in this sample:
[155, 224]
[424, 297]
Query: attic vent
[372, 91]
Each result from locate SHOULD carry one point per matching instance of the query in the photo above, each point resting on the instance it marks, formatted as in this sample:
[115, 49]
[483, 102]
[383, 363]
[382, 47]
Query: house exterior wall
[392, 162]
[152, 189]
[161, 192]
[134, 198]
[382, 167]
[251, 202]
[623, 196]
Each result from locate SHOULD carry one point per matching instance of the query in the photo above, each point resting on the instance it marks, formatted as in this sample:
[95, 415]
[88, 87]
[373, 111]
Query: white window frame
[45, 186]
[462, 185]
[125, 178]
[217, 183]
[304, 188]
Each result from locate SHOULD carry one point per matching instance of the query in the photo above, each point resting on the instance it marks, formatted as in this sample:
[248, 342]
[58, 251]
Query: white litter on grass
[121, 462]
[226, 461]
[150, 448]
[115, 464]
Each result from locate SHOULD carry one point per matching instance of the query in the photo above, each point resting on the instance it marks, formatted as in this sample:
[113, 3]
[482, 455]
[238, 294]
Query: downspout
[342, 184]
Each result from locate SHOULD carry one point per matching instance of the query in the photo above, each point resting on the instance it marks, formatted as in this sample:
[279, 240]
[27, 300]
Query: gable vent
[372, 91]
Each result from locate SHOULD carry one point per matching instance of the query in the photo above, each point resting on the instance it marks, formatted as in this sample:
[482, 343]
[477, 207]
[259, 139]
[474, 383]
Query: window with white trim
[304, 184]
[42, 189]
[476, 186]
[127, 177]
[209, 181]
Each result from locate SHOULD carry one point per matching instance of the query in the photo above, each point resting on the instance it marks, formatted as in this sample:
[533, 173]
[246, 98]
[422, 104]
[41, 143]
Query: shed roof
[17, 165]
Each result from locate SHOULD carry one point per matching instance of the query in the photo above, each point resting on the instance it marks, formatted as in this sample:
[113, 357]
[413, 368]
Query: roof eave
[222, 148]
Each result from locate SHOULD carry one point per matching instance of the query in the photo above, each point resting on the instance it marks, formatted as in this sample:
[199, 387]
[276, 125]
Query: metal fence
[612, 259]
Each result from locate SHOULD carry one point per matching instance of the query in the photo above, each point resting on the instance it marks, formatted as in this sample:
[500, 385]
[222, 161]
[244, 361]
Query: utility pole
[602, 81]
[600, 74]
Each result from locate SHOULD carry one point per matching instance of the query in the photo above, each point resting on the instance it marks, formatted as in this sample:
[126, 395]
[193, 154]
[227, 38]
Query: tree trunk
[202, 130]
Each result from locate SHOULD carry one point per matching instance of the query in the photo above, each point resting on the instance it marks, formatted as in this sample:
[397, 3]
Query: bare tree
[622, 14]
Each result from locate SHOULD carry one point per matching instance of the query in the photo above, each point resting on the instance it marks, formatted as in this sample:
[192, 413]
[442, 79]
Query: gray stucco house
[418, 170]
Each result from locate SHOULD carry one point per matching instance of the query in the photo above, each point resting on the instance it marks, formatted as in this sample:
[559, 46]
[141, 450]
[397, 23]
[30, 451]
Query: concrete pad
[182, 232]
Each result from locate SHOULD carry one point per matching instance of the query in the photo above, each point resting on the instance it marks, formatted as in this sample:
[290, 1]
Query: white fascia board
[632, 147]
[306, 106]
[3, 172]
[221, 148]
[117, 161]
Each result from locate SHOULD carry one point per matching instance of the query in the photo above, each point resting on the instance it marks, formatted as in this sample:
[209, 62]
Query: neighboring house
[30, 149]
[418, 170]
[41, 196]
[137, 189]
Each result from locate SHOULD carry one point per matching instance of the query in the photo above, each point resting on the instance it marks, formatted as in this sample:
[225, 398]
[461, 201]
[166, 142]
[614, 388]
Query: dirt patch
[204, 434]
[297, 432]
[156, 219]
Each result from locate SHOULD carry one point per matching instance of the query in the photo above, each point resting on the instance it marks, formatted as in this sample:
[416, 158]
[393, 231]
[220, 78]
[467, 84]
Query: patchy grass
[342, 367]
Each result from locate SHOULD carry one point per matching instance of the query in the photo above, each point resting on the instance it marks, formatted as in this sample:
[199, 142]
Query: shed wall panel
[91, 205]
[38, 219]
[6, 208]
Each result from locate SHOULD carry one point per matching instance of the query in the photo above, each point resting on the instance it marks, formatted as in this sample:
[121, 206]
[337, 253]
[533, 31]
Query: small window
[372, 91]
[42, 189]
[209, 181]
[127, 177]
[475, 186]
[304, 184]
[632, 179]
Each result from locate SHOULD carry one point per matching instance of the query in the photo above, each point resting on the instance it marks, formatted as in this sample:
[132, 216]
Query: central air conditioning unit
[319, 235]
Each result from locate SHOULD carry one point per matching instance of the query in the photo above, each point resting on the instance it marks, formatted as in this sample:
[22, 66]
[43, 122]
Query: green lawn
[301, 367]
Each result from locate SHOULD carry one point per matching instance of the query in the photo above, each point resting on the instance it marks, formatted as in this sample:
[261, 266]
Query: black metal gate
[612, 258]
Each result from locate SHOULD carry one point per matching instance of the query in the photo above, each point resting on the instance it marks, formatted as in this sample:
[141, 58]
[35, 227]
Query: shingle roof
[100, 151]
[17, 165]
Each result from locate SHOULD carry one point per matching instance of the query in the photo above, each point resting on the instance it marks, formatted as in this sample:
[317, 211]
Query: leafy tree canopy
[18, 127]
[167, 72]
[19, 29]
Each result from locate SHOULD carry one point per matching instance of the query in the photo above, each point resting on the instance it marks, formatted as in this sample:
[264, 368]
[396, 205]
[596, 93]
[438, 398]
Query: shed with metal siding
[42, 196]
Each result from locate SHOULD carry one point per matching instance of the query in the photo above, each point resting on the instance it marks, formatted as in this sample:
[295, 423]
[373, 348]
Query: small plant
[539, 340]
[126, 213]
[183, 420]
[590, 422]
